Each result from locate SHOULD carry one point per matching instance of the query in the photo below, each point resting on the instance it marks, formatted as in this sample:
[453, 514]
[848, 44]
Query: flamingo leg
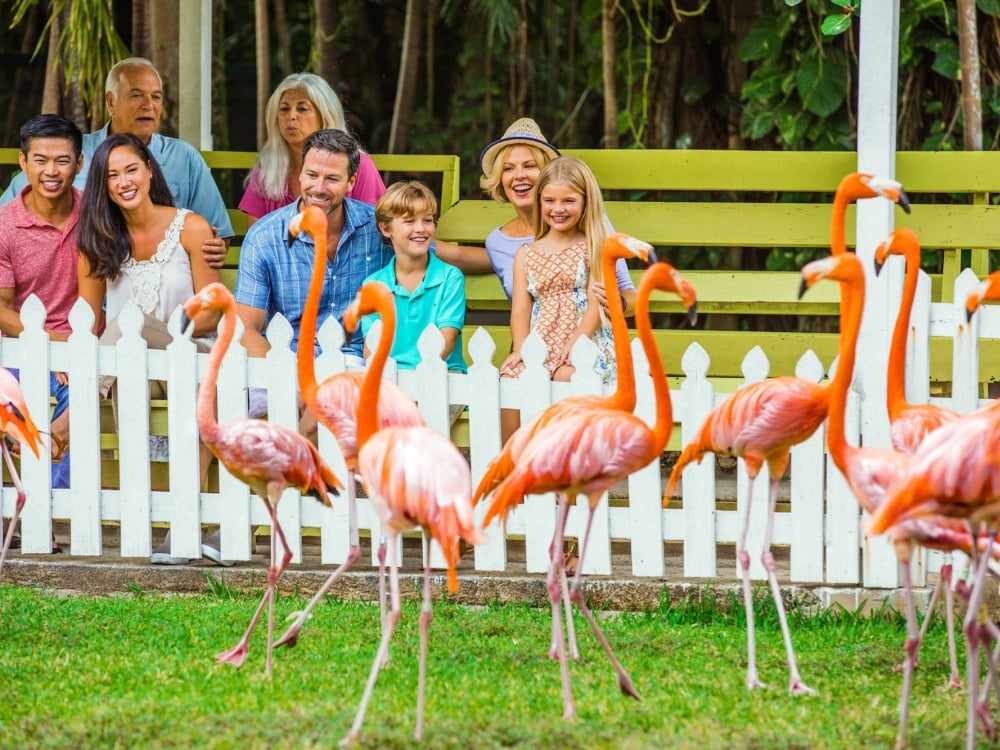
[425, 626]
[624, 681]
[573, 651]
[944, 584]
[753, 679]
[555, 596]
[913, 640]
[970, 627]
[382, 656]
[291, 635]
[238, 653]
[18, 504]
[795, 684]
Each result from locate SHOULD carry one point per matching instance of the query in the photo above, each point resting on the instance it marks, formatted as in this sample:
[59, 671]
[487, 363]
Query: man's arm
[10, 319]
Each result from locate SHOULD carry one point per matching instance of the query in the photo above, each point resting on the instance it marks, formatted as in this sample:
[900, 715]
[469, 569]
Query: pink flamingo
[334, 404]
[267, 456]
[585, 452]
[955, 473]
[857, 186]
[910, 423]
[16, 422]
[415, 477]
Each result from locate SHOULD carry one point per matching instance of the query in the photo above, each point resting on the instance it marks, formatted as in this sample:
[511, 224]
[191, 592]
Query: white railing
[821, 529]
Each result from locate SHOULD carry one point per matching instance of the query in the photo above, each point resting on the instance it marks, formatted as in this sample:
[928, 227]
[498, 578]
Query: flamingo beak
[187, 324]
[904, 201]
[693, 314]
[294, 228]
[878, 266]
[803, 287]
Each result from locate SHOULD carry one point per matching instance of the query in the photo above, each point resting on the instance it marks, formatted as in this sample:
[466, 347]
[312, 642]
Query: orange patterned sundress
[558, 284]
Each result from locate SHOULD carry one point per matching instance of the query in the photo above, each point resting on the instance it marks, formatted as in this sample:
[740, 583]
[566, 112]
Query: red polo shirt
[36, 258]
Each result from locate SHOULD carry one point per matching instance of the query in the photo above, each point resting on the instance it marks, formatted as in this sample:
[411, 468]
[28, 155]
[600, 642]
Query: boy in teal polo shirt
[427, 290]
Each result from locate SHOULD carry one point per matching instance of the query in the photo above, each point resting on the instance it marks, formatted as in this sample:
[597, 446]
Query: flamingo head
[987, 290]
[310, 220]
[843, 267]
[373, 297]
[873, 187]
[214, 296]
[621, 245]
[900, 241]
[663, 276]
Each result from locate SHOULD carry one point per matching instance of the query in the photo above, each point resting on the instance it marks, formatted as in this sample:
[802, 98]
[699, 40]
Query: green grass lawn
[137, 670]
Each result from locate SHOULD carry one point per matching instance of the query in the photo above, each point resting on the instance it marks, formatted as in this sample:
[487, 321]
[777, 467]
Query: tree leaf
[822, 83]
[838, 24]
[763, 39]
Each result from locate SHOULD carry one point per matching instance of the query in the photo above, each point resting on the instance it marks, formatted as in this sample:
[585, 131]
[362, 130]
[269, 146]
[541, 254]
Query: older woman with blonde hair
[301, 104]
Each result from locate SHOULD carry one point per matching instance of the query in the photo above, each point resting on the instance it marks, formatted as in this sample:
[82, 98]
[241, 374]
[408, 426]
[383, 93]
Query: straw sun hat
[524, 131]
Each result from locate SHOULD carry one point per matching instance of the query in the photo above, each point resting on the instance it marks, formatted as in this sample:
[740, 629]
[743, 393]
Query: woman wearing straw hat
[511, 165]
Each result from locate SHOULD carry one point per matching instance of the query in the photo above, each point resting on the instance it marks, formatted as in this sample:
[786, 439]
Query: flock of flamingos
[939, 485]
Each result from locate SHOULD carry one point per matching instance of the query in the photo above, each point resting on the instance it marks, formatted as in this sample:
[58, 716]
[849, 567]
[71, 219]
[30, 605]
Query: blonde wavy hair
[493, 185]
[570, 171]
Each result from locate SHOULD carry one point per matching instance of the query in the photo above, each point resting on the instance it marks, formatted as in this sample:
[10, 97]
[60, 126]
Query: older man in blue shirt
[134, 95]
[274, 278]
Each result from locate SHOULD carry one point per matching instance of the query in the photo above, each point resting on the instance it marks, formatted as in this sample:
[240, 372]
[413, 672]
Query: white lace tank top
[158, 285]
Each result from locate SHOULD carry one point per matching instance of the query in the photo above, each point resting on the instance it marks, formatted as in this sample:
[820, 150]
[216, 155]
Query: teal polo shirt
[438, 299]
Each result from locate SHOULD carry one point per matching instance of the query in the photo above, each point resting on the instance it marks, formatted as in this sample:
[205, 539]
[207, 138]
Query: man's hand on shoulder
[215, 250]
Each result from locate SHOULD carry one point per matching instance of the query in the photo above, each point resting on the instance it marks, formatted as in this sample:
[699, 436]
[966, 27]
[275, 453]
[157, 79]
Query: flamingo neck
[368, 398]
[851, 307]
[306, 354]
[208, 425]
[624, 396]
[661, 389]
[838, 218]
[896, 383]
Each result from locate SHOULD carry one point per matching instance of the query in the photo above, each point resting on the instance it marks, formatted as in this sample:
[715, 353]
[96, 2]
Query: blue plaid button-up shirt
[275, 277]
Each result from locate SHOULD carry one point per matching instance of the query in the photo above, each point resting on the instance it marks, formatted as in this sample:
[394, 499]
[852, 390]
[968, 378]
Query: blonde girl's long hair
[569, 170]
[275, 158]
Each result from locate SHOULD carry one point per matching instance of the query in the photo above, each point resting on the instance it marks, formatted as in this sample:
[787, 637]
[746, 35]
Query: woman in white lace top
[135, 246]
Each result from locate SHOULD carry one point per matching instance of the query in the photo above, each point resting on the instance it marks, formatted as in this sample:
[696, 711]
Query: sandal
[59, 448]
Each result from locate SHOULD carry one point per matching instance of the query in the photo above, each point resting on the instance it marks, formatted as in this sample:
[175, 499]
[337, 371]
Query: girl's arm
[91, 291]
[193, 236]
[520, 307]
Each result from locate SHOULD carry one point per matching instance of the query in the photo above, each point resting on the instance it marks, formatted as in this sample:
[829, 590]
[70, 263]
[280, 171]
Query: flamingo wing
[583, 454]
[911, 425]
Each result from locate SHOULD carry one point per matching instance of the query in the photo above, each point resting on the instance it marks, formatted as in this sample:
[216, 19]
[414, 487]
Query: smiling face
[297, 117]
[411, 235]
[139, 103]
[128, 178]
[324, 180]
[50, 167]
[562, 207]
[519, 174]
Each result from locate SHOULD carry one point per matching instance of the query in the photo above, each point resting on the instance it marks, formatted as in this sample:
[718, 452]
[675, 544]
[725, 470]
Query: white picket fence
[821, 529]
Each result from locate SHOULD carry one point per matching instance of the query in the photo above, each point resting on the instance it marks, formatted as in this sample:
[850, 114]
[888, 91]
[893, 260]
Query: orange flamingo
[585, 452]
[334, 405]
[871, 471]
[415, 477]
[267, 456]
[910, 423]
[16, 422]
[617, 245]
[955, 473]
[856, 186]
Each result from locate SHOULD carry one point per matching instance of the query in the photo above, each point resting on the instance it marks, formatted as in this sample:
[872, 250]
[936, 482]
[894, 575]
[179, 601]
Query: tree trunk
[409, 61]
[263, 48]
[326, 20]
[163, 28]
[972, 108]
[140, 29]
[608, 55]
[284, 38]
[52, 93]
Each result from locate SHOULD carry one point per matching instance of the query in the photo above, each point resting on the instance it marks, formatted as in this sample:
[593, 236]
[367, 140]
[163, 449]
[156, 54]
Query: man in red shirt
[38, 253]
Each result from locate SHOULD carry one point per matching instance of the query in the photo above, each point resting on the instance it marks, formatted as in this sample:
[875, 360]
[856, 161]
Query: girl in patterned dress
[553, 275]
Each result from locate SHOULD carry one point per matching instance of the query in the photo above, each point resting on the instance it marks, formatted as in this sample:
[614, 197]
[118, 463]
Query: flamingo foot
[350, 739]
[235, 656]
[798, 687]
[569, 713]
[983, 714]
[753, 682]
[627, 688]
[954, 683]
[291, 636]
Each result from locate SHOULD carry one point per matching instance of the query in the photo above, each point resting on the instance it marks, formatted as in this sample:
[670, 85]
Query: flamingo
[856, 186]
[585, 452]
[334, 404]
[955, 473]
[415, 477]
[617, 245]
[16, 422]
[266, 456]
[871, 471]
[910, 423]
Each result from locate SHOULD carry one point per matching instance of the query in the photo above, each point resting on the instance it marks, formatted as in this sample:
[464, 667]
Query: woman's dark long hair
[103, 236]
